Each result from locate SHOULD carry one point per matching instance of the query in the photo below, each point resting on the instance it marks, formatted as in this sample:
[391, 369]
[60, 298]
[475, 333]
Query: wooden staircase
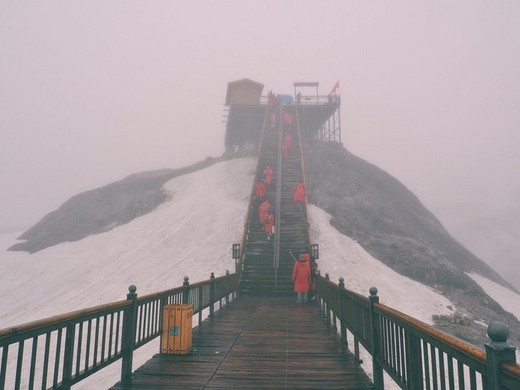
[267, 264]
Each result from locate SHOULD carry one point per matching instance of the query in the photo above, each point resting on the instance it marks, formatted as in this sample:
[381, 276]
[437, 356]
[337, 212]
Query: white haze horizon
[191, 235]
[93, 91]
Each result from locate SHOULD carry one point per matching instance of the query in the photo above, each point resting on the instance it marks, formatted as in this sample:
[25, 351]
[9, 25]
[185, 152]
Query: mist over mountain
[103, 208]
[366, 204]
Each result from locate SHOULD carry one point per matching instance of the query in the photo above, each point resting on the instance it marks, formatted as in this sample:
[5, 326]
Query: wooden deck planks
[257, 342]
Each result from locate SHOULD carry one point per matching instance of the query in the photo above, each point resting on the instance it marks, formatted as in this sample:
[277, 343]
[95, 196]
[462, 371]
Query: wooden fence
[415, 355]
[60, 351]
[57, 352]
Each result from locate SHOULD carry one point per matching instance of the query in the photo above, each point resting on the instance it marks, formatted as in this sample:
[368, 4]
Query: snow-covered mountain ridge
[363, 202]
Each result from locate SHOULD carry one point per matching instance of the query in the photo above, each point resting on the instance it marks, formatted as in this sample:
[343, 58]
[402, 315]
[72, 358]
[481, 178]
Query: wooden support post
[343, 328]
[68, 357]
[497, 352]
[227, 295]
[212, 295]
[164, 302]
[377, 370]
[356, 350]
[128, 337]
[186, 292]
[414, 362]
[327, 309]
[201, 303]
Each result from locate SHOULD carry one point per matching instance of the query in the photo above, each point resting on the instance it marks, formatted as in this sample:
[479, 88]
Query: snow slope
[341, 256]
[191, 235]
[509, 300]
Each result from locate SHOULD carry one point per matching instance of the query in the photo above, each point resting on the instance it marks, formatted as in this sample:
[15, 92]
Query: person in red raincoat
[288, 141]
[301, 277]
[268, 225]
[268, 175]
[263, 210]
[285, 151]
[259, 190]
[299, 195]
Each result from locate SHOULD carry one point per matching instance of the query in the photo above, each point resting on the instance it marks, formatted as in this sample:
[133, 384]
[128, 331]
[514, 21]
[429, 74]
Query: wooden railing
[314, 100]
[60, 351]
[415, 355]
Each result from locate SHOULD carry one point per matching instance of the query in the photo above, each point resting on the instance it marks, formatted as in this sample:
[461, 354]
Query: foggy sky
[92, 91]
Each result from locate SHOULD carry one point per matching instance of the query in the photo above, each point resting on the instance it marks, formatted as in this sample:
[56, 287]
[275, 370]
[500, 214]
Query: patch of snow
[509, 300]
[341, 256]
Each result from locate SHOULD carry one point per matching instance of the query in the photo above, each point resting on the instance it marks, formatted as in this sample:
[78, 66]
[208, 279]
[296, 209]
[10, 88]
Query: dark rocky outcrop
[387, 219]
[102, 209]
[389, 222]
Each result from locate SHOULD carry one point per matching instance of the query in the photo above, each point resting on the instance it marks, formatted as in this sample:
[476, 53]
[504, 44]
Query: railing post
[212, 295]
[227, 282]
[186, 292]
[128, 337]
[413, 362]
[68, 357]
[327, 309]
[322, 303]
[497, 352]
[343, 328]
[377, 371]
[356, 350]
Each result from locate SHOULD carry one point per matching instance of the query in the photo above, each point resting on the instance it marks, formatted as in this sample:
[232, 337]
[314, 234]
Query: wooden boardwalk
[257, 343]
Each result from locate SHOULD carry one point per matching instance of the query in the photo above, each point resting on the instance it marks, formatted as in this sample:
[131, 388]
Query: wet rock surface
[389, 221]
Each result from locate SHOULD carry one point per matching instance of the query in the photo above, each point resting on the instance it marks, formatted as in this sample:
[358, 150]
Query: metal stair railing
[276, 255]
[303, 172]
[250, 205]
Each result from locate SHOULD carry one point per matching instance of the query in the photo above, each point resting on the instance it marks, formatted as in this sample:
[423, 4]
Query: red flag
[334, 88]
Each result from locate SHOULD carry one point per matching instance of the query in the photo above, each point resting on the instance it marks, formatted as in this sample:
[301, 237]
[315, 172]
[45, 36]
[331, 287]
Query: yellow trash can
[176, 330]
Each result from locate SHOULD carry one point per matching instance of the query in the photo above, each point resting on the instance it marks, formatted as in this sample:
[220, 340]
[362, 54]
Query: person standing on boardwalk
[301, 277]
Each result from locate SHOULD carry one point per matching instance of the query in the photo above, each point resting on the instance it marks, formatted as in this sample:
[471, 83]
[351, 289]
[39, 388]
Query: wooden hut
[243, 92]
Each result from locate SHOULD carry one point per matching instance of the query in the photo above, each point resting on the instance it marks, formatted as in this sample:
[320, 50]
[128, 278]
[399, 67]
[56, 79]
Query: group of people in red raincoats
[265, 210]
[304, 277]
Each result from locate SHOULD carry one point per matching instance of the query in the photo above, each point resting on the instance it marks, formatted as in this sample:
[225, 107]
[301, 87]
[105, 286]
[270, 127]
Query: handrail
[50, 322]
[303, 172]
[309, 100]
[276, 254]
[416, 355]
[60, 351]
[248, 215]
